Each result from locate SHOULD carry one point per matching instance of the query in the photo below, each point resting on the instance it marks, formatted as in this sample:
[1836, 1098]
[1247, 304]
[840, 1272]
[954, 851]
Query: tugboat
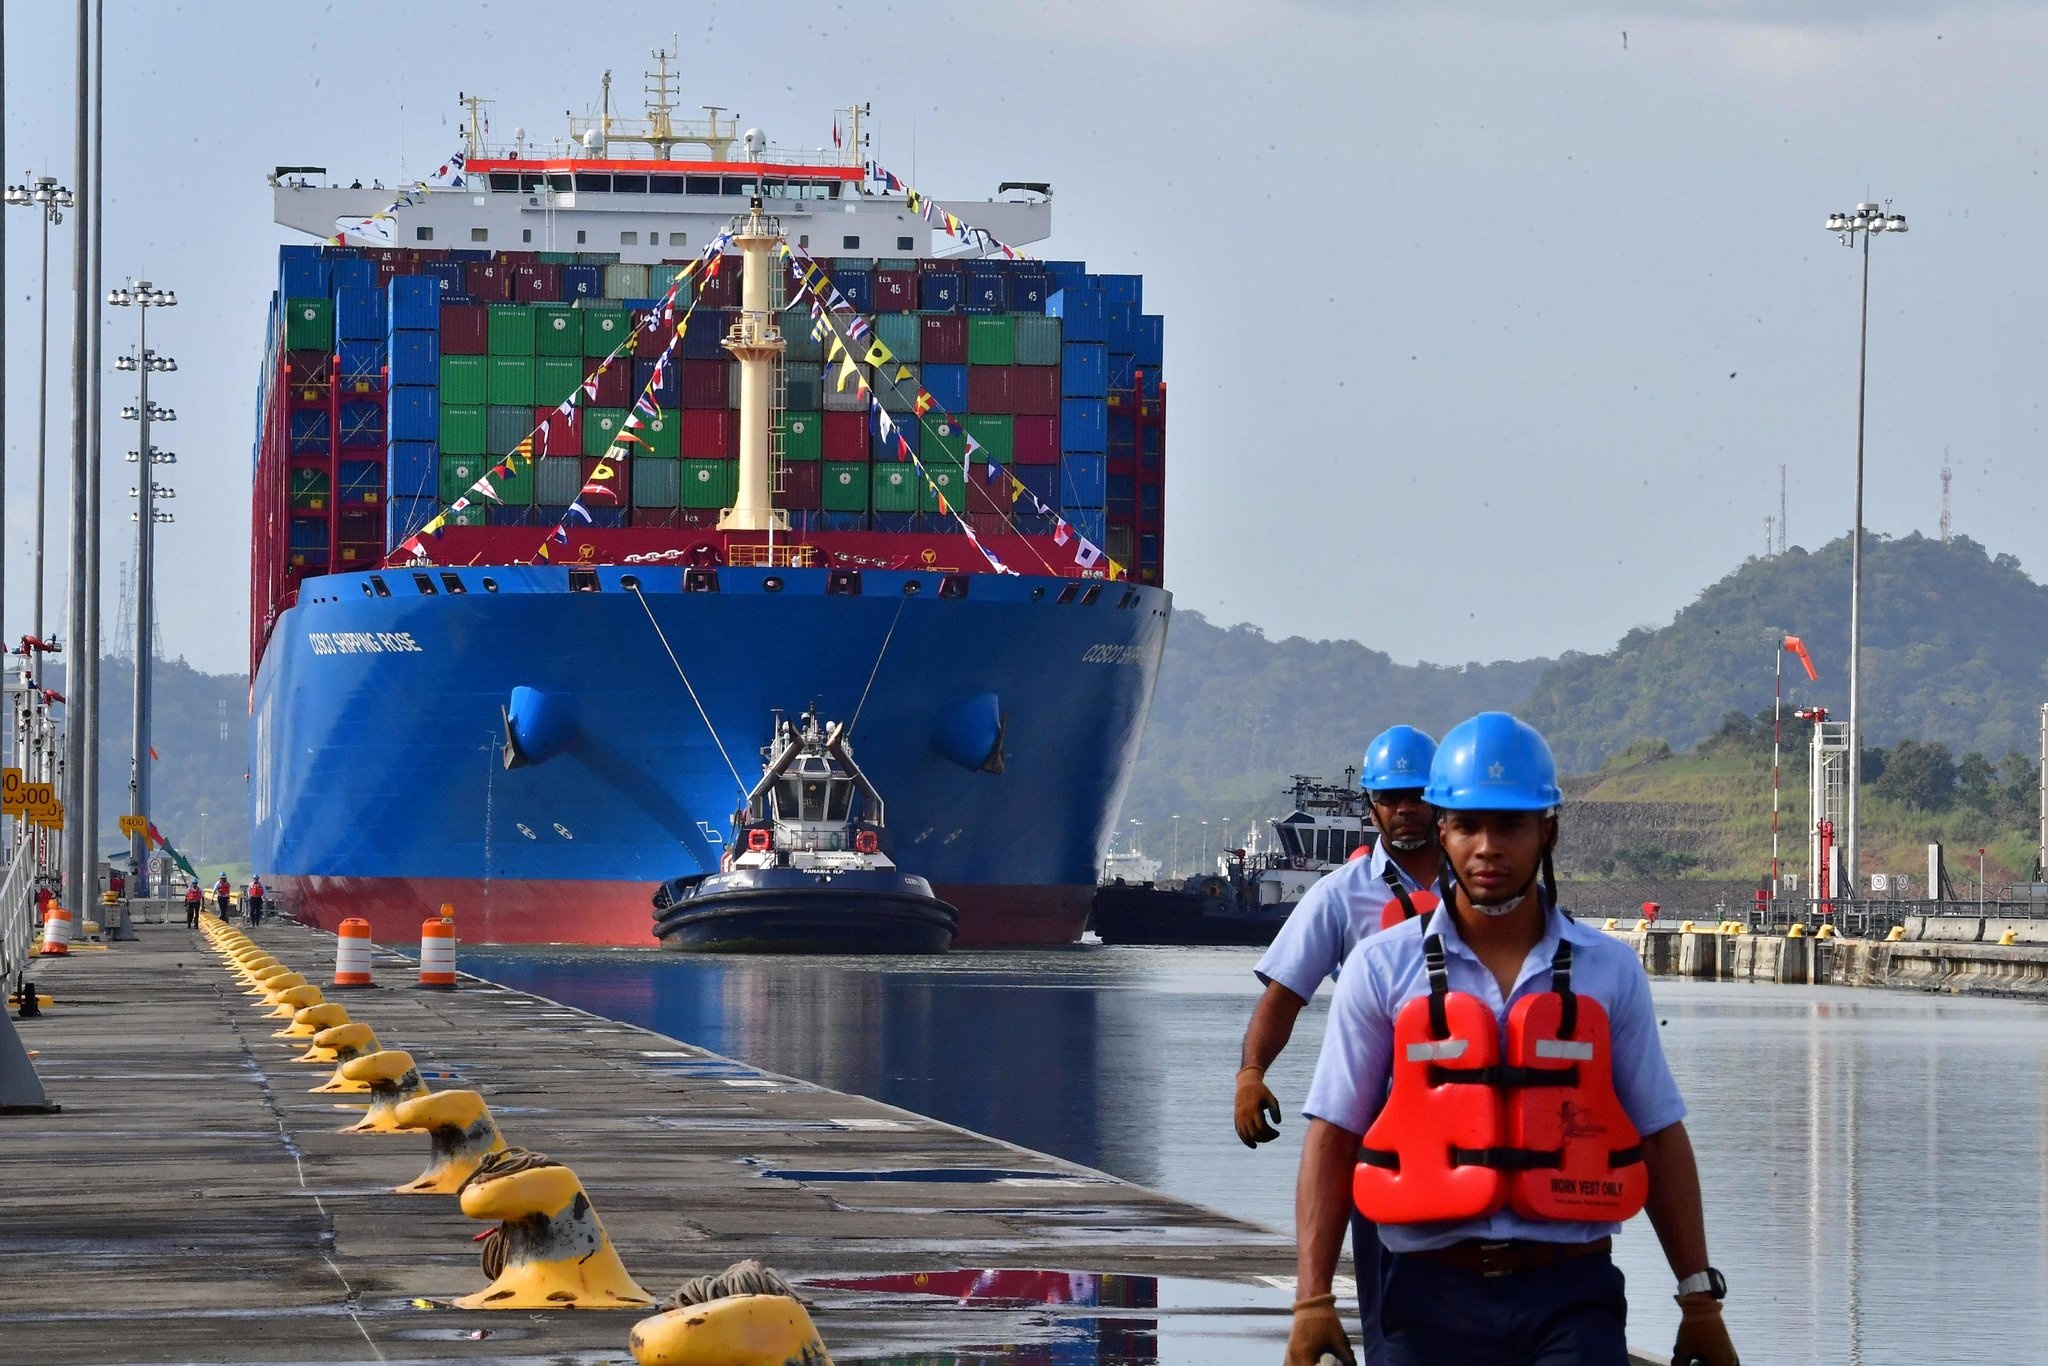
[805, 872]
[1250, 896]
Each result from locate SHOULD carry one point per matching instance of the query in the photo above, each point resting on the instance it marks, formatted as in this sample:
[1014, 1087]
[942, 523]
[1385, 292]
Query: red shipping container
[1036, 440]
[487, 280]
[721, 290]
[945, 339]
[843, 436]
[537, 284]
[986, 499]
[387, 269]
[1035, 389]
[651, 339]
[989, 389]
[802, 482]
[620, 483]
[895, 291]
[308, 368]
[710, 434]
[465, 330]
[516, 258]
[615, 385]
[705, 383]
[564, 434]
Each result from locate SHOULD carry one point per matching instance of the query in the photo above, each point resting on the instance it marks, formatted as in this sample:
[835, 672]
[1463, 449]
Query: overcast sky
[1486, 332]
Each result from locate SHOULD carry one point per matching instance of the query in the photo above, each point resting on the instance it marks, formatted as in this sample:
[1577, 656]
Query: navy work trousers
[1570, 1313]
[1369, 1265]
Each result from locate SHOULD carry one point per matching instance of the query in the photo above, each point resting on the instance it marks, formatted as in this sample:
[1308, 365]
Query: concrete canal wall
[1964, 955]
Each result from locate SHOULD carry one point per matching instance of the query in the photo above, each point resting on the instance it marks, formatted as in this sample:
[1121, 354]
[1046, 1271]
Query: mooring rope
[886, 638]
[749, 1277]
[660, 636]
[509, 1162]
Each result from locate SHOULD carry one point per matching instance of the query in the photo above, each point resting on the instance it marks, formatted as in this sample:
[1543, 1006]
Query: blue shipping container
[1043, 481]
[1091, 524]
[302, 277]
[404, 516]
[1123, 289]
[415, 413]
[1120, 324]
[607, 517]
[308, 533]
[362, 362]
[669, 394]
[1079, 307]
[845, 521]
[859, 288]
[897, 522]
[362, 423]
[1084, 370]
[1123, 372]
[312, 433]
[509, 515]
[353, 272]
[1151, 348]
[1084, 426]
[947, 384]
[1028, 291]
[706, 338]
[1082, 482]
[359, 314]
[1033, 523]
[416, 357]
[987, 291]
[412, 469]
[938, 291]
[884, 447]
[582, 282]
[413, 302]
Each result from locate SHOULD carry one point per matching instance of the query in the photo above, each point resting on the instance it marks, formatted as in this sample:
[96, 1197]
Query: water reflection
[1876, 1164]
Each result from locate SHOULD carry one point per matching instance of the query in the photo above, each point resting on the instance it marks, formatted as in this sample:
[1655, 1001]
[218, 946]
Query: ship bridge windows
[665, 184]
[629, 184]
[528, 182]
[906, 244]
[737, 184]
[591, 180]
[506, 181]
[850, 242]
[423, 234]
[701, 184]
[561, 184]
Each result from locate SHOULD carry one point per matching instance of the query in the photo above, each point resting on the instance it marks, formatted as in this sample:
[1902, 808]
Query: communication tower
[1781, 509]
[1947, 476]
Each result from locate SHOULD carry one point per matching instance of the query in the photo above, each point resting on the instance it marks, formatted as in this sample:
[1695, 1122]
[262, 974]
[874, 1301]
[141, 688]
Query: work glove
[1257, 1110]
[1702, 1335]
[1318, 1334]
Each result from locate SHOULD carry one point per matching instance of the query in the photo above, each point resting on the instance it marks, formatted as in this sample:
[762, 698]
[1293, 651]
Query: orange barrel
[57, 932]
[352, 954]
[437, 953]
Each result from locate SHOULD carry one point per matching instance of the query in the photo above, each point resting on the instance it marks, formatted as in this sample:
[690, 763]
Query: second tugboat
[806, 872]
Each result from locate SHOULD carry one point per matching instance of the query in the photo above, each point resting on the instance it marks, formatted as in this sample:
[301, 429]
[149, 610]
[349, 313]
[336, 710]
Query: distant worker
[195, 901]
[116, 883]
[1345, 906]
[1493, 1094]
[222, 895]
[253, 900]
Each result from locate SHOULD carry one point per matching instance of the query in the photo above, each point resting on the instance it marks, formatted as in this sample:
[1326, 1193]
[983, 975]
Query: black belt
[1510, 1257]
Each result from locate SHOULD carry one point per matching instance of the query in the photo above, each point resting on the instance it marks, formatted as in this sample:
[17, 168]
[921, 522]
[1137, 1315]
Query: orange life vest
[1473, 1126]
[1403, 906]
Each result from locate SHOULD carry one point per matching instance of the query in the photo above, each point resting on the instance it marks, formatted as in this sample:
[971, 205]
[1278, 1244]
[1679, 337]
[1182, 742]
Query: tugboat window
[813, 808]
[424, 584]
[838, 800]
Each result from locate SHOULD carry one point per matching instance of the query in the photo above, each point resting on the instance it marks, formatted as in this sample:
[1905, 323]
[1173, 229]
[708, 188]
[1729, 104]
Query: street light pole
[1865, 222]
[143, 296]
[50, 197]
[80, 868]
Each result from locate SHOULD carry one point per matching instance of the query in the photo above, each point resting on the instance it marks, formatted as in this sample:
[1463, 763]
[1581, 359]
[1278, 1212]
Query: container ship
[562, 492]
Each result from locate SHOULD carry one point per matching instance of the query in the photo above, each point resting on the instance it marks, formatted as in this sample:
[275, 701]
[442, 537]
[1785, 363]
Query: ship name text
[363, 643]
[1133, 655]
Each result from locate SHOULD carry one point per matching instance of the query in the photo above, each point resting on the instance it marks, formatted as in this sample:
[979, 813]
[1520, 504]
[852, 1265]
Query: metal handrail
[17, 914]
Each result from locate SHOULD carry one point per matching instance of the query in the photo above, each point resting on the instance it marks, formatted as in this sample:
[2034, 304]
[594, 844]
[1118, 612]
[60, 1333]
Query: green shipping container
[902, 333]
[658, 484]
[462, 378]
[509, 381]
[555, 378]
[558, 330]
[801, 433]
[465, 430]
[795, 323]
[990, 341]
[664, 440]
[941, 436]
[1038, 339]
[560, 258]
[308, 325]
[604, 328]
[897, 486]
[601, 428]
[708, 483]
[459, 473]
[947, 478]
[996, 435]
[511, 330]
[473, 515]
[515, 488]
[845, 487]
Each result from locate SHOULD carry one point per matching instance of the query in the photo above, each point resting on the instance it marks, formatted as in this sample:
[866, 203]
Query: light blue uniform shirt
[1338, 911]
[1387, 972]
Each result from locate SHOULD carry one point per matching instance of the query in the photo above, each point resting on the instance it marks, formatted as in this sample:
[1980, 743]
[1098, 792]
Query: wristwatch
[1710, 1282]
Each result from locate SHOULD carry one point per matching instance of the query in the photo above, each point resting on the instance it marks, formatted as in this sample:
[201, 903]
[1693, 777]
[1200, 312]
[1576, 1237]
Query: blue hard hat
[1398, 757]
[1493, 762]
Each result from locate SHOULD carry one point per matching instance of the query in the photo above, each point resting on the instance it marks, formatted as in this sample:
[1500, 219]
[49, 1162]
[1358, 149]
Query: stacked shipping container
[403, 375]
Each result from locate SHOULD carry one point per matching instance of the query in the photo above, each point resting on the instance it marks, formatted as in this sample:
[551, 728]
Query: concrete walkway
[193, 1203]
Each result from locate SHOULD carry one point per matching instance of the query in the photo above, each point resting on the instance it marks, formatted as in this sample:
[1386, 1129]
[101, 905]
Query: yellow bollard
[262, 976]
[739, 1330]
[1611, 923]
[345, 1043]
[292, 1000]
[391, 1077]
[463, 1135]
[1826, 932]
[1797, 931]
[1685, 927]
[1643, 924]
[549, 1250]
[1895, 934]
[310, 1020]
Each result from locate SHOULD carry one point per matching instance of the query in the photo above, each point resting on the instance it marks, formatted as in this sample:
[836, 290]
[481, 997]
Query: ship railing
[766, 556]
[17, 911]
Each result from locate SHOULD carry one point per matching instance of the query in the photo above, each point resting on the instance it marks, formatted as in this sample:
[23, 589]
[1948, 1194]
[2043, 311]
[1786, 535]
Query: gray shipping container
[902, 333]
[625, 282]
[505, 427]
[796, 332]
[557, 479]
[898, 396]
[847, 400]
[656, 483]
[800, 392]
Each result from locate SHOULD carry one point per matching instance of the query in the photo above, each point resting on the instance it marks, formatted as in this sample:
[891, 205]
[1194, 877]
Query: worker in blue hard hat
[1353, 901]
[1493, 1094]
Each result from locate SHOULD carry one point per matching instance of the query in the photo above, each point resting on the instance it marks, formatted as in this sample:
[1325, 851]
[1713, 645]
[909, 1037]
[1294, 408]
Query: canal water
[1875, 1163]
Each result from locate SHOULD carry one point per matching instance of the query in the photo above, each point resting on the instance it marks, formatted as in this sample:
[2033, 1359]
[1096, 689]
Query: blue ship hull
[378, 787]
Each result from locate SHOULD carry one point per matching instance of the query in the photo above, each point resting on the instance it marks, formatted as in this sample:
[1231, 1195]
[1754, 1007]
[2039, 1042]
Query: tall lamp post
[1856, 229]
[50, 197]
[143, 296]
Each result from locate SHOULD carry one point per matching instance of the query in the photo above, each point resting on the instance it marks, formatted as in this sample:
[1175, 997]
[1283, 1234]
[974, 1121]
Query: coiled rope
[510, 1162]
